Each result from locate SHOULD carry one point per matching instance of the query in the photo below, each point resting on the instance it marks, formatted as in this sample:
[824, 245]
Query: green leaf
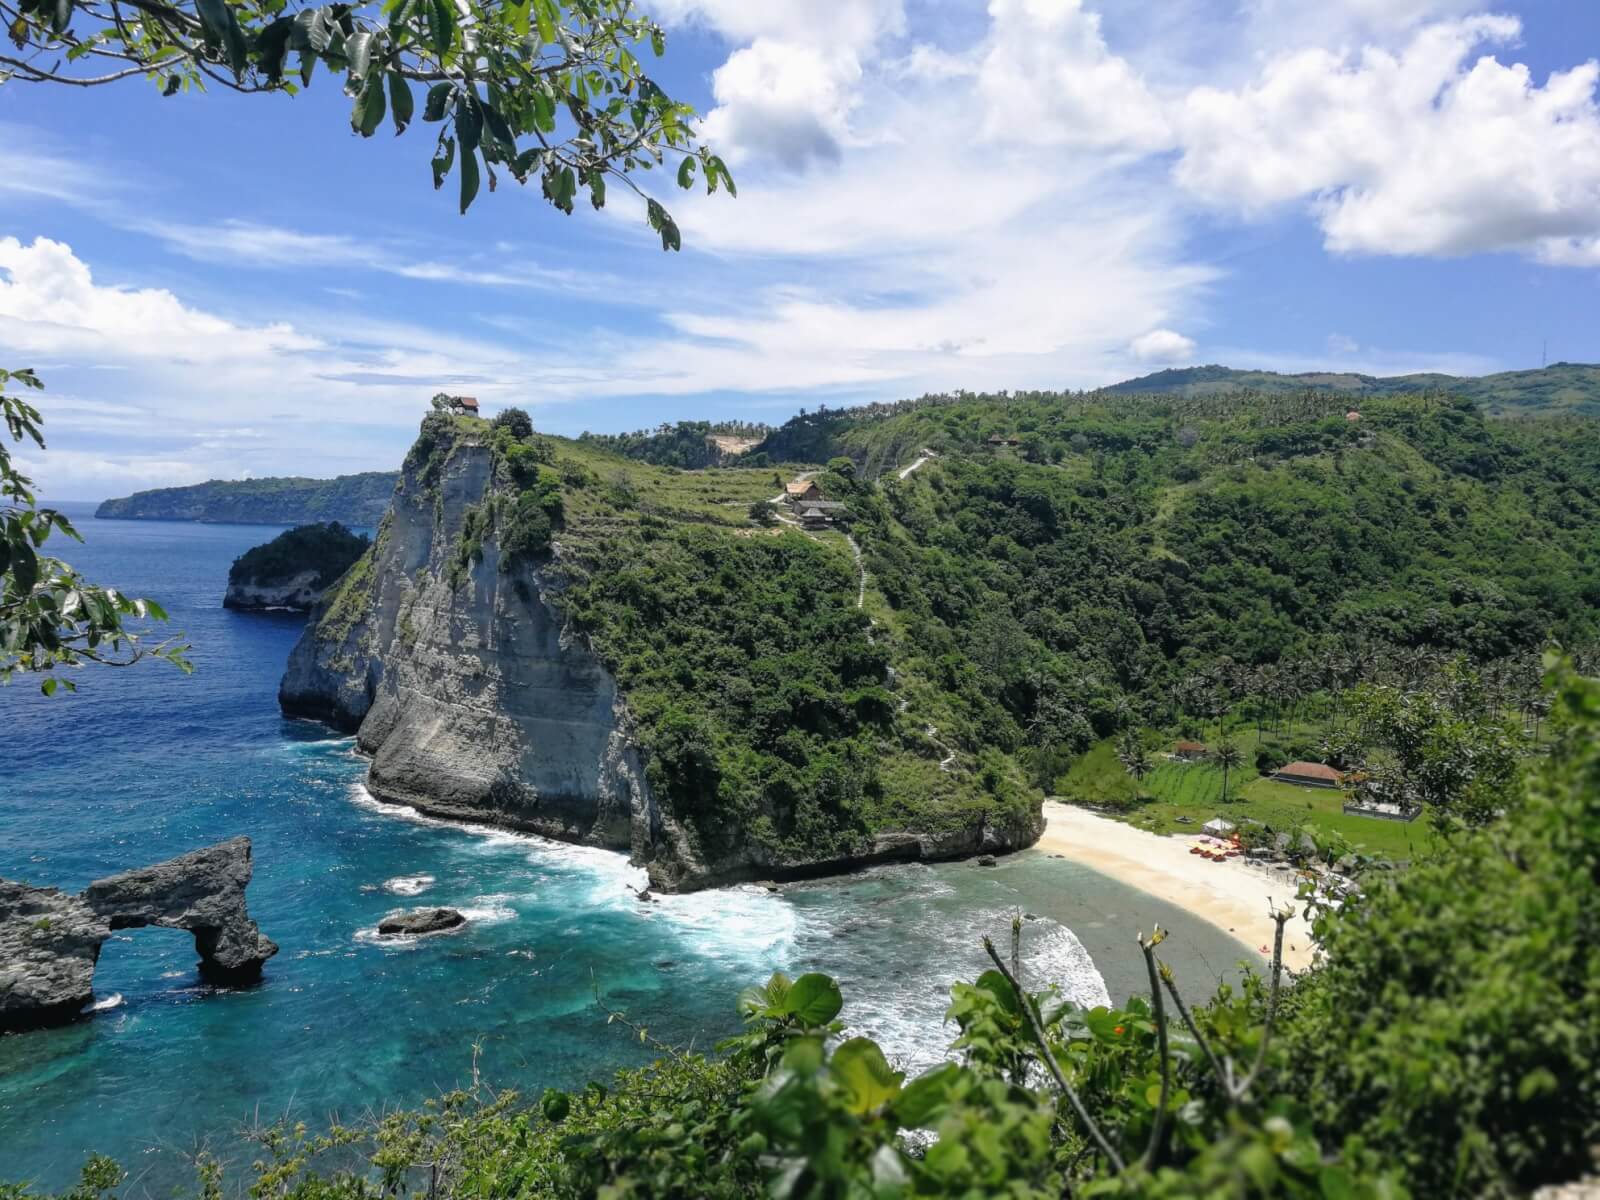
[368, 112]
[686, 172]
[357, 53]
[803, 1055]
[401, 103]
[469, 178]
[555, 1105]
[441, 163]
[920, 1102]
[814, 999]
[441, 16]
[469, 121]
[1537, 1082]
[437, 102]
[24, 567]
[499, 129]
[218, 18]
[545, 18]
[864, 1076]
[1335, 1183]
[597, 189]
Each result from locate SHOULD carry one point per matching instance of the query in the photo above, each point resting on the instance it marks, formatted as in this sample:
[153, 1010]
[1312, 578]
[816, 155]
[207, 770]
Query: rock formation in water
[420, 921]
[50, 940]
[294, 569]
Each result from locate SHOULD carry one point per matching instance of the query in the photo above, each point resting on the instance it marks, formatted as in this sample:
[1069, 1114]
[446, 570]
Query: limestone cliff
[454, 671]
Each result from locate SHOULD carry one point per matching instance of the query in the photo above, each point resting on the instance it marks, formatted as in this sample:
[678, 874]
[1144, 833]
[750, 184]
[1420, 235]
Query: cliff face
[299, 592]
[459, 681]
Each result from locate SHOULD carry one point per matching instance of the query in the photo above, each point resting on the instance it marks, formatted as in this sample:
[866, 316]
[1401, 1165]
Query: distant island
[294, 569]
[1561, 388]
[357, 500]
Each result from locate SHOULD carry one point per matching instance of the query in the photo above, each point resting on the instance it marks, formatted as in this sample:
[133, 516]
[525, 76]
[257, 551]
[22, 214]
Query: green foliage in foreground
[329, 550]
[51, 618]
[1447, 1046]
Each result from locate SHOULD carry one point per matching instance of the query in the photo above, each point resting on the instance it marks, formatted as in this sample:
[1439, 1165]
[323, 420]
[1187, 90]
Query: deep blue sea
[146, 763]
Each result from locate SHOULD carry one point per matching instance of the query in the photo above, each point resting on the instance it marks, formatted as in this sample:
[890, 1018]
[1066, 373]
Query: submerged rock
[420, 921]
[50, 940]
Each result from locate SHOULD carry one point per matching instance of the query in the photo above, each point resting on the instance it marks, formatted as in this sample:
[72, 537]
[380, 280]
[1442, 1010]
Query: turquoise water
[143, 764]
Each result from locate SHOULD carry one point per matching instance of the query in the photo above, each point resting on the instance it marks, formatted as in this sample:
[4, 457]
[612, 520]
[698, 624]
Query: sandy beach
[1234, 896]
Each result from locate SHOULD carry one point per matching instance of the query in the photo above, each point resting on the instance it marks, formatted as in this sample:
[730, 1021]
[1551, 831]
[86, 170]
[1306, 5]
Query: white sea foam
[489, 910]
[106, 1005]
[408, 885]
[733, 924]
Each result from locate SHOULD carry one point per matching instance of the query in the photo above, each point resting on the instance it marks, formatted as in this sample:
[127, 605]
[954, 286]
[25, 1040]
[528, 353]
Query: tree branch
[1037, 1028]
[1157, 1131]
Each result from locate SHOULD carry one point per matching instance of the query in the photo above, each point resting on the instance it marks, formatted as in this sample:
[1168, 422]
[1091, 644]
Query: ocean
[146, 763]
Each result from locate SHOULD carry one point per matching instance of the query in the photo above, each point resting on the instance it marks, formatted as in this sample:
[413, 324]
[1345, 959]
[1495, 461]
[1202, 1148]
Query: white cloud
[1342, 345]
[853, 23]
[248, 243]
[1162, 346]
[1417, 152]
[787, 101]
[1048, 78]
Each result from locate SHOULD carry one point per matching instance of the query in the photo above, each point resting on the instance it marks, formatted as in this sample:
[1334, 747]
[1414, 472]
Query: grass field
[1194, 790]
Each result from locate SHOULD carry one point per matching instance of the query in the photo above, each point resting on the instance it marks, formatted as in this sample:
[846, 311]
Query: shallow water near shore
[144, 764]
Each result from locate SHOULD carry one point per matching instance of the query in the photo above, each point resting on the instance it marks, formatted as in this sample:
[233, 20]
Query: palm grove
[1132, 567]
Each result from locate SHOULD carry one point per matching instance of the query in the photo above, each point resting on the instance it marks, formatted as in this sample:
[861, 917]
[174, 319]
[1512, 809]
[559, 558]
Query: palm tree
[1227, 756]
[1134, 757]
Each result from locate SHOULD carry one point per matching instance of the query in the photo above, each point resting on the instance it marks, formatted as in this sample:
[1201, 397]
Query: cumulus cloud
[1048, 78]
[1424, 151]
[1162, 346]
[785, 101]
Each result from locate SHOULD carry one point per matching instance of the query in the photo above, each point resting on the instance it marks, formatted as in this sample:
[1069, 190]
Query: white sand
[1234, 895]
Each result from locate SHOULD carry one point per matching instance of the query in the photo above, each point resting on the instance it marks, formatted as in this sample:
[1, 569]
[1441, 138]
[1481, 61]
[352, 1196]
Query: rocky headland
[445, 650]
[50, 940]
[350, 499]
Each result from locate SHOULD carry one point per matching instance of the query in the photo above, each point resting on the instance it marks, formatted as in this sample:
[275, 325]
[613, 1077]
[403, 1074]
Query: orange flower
[1118, 1030]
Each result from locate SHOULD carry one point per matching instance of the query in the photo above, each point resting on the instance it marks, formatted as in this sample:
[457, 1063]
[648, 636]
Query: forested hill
[356, 500]
[1064, 565]
[1559, 388]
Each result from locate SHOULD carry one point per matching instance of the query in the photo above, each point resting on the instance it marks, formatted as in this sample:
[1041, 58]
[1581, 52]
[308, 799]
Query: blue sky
[934, 194]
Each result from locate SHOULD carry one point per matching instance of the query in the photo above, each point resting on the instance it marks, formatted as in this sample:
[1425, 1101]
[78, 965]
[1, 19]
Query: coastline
[1234, 896]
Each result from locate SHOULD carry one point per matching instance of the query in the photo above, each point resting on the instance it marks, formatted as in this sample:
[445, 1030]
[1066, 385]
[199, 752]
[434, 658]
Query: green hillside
[1057, 572]
[357, 500]
[1554, 390]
